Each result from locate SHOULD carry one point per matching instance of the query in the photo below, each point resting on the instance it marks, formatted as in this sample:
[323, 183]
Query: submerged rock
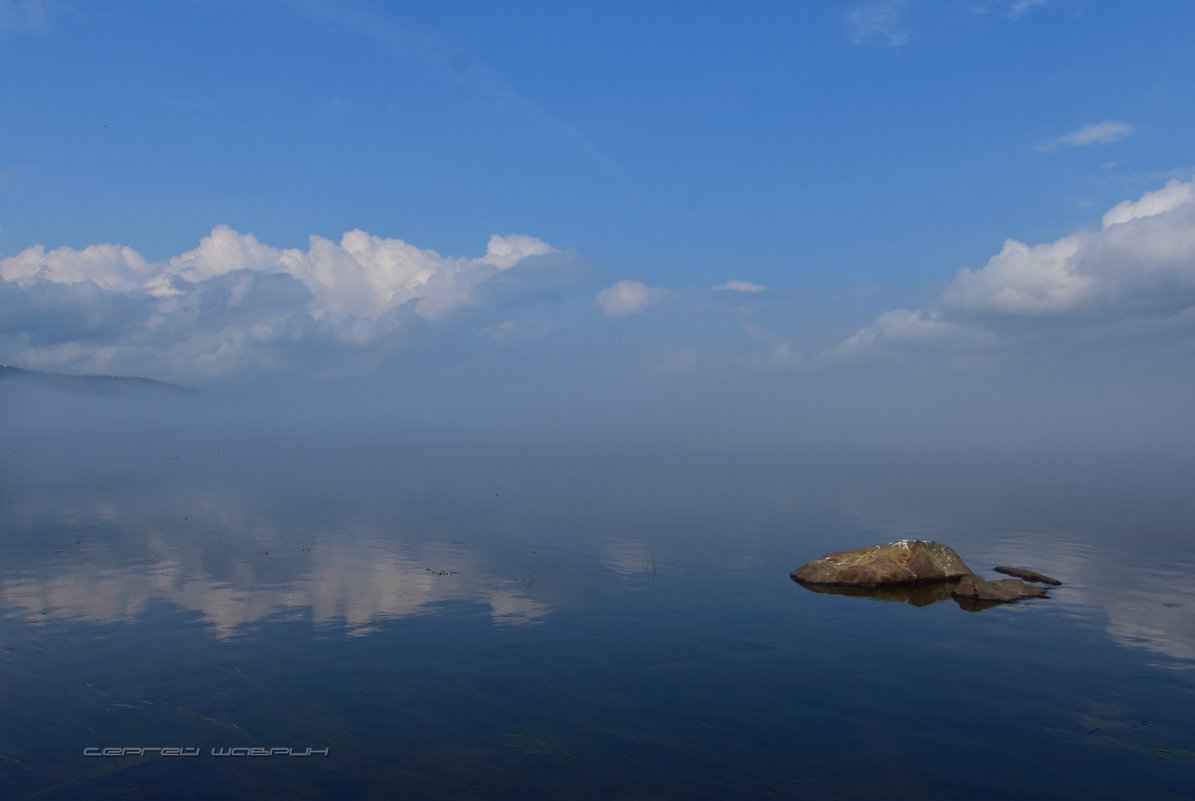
[974, 588]
[893, 563]
[1027, 574]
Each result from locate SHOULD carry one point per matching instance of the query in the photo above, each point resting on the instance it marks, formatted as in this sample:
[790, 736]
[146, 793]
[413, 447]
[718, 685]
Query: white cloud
[1138, 267]
[1020, 8]
[1169, 197]
[1024, 279]
[735, 285]
[628, 297]
[1141, 260]
[900, 329]
[233, 302]
[1097, 133]
[23, 15]
[112, 267]
[362, 275]
[880, 21]
[505, 252]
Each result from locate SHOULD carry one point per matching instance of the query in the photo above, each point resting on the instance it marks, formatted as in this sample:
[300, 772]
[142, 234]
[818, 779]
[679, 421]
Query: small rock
[999, 591]
[1026, 573]
[902, 562]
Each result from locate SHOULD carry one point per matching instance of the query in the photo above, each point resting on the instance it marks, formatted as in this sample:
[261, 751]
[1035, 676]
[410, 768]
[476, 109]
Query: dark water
[491, 623]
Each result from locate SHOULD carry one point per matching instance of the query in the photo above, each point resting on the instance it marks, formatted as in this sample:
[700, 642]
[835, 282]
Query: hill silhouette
[109, 386]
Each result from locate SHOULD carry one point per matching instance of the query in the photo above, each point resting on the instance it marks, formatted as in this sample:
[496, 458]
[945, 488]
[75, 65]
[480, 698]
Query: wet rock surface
[1026, 573]
[904, 562]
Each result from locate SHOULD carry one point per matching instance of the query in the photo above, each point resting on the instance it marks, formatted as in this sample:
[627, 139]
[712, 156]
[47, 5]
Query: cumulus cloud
[1138, 266]
[1142, 260]
[628, 297]
[112, 267]
[1097, 133]
[1024, 279]
[362, 275]
[735, 285]
[235, 303]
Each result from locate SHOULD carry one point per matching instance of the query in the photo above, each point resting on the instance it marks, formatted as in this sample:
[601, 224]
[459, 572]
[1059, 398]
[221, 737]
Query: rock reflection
[975, 605]
[912, 594]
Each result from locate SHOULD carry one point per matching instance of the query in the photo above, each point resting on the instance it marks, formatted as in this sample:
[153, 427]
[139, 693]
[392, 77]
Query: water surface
[514, 622]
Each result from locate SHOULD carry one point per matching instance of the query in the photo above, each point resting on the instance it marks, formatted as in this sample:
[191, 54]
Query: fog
[1036, 407]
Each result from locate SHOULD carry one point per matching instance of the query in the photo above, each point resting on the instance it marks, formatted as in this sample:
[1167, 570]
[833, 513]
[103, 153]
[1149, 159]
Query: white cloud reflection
[350, 582]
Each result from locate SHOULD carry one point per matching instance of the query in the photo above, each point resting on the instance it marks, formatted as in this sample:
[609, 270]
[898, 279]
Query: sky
[933, 217]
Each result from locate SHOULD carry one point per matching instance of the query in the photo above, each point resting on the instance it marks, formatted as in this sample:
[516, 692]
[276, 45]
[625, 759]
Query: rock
[1027, 574]
[1000, 591]
[902, 562]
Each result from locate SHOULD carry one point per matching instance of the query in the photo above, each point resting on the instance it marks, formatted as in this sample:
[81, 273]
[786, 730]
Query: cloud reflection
[353, 578]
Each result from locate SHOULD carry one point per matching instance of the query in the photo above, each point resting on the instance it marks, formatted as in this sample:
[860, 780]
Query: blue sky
[677, 141]
[841, 161]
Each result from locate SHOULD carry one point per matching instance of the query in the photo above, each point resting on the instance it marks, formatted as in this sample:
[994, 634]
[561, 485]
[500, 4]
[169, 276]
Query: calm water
[489, 623]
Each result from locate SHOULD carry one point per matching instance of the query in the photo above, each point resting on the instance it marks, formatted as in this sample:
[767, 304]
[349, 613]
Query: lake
[554, 622]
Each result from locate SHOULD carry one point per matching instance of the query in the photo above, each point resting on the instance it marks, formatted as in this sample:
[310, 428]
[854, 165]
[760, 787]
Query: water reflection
[391, 540]
[1142, 587]
[354, 589]
[914, 594]
[538, 643]
[628, 557]
[351, 576]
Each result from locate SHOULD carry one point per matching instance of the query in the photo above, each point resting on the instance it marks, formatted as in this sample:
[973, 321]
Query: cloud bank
[235, 306]
[235, 303]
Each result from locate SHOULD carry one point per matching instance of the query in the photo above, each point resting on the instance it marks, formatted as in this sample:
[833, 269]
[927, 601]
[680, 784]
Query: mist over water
[1044, 407]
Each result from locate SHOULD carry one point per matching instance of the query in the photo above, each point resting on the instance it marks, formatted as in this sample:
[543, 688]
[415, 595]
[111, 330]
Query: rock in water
[1027, 574]
[903, 562]
[1000, 591]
